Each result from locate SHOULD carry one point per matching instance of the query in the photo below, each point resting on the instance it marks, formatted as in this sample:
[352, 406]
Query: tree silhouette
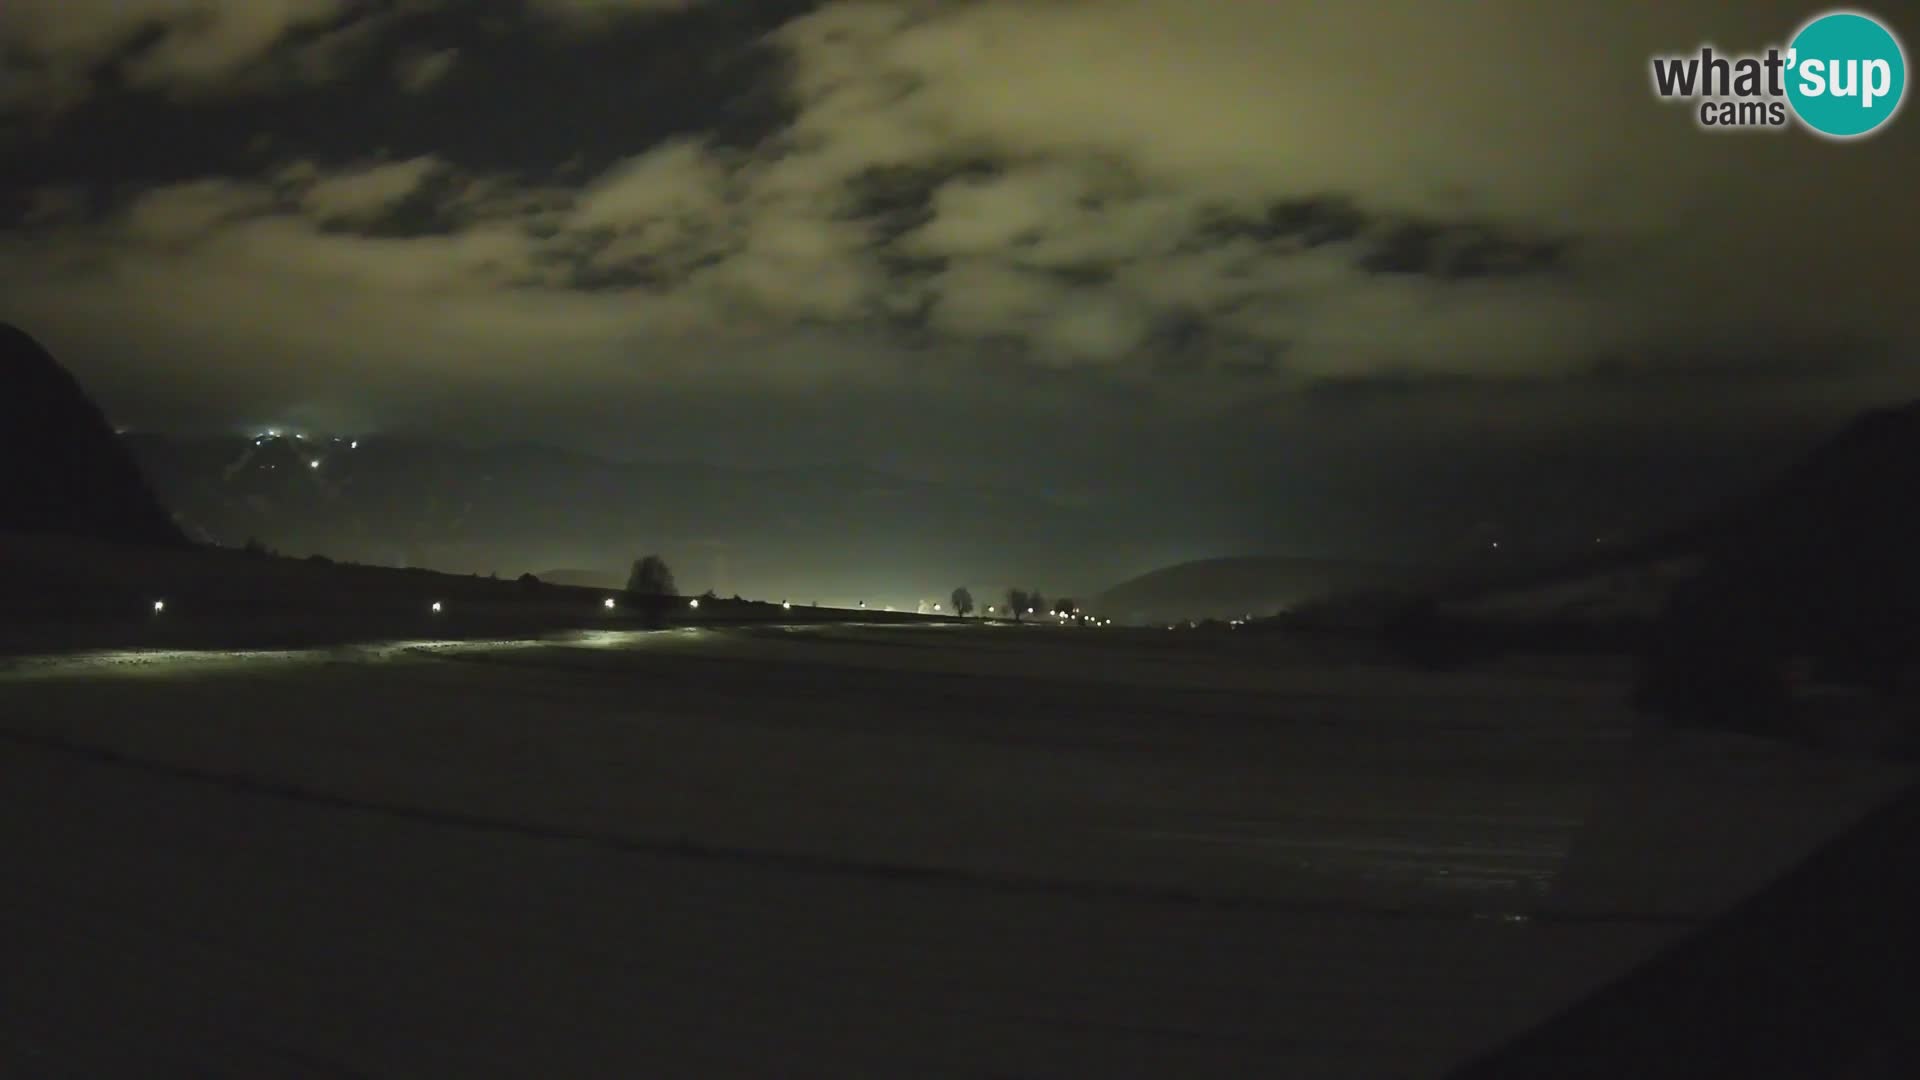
[1017, 602]
[650, 577]
[650, 588]
[962, 602]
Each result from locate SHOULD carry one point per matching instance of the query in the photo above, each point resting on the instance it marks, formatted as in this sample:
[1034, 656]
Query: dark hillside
[64, 470]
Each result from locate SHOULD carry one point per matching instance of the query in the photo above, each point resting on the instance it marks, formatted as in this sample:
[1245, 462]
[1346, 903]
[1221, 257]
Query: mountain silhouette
[65, 471]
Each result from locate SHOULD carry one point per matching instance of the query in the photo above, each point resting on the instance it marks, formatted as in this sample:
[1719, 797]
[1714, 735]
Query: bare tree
[1017, 602]
[962, 602]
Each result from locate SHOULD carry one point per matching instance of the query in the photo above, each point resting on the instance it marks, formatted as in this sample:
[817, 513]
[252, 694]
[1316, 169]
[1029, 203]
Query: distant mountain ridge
[63, 469]
[1236, 587]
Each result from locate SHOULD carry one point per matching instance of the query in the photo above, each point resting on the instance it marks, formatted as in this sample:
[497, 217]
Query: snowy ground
[926, 851]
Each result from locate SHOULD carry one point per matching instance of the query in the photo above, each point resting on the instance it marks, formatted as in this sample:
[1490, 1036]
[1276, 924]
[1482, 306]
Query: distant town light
[159, 606]
[936, 607]
[608, 603]
[436, 607]
[354, 445]
[314, 464]
[786, 605]
[694, 603]
[1029, 611]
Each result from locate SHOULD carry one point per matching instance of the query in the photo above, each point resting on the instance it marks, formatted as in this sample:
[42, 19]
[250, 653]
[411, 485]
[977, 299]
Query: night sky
[1309, 277]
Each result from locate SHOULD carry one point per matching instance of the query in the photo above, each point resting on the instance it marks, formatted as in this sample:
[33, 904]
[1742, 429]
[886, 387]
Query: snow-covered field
[920, 850]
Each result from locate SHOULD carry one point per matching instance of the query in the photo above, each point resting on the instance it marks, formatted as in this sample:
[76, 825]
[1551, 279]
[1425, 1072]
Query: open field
[848, 850]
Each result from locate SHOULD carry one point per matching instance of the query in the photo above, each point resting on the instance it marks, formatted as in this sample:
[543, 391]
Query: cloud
[592, 11]
[1195, 204]
[155, 44]
[279, 293]
[191, 211]
[1488, 191]
[681, 181]
[359, 195]
[420, 72]
[50, 50]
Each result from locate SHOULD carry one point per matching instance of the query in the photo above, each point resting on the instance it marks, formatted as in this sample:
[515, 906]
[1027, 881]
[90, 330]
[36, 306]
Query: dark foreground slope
[1819, 567]
[1811, 978]
[1812, 575]
[66, 471]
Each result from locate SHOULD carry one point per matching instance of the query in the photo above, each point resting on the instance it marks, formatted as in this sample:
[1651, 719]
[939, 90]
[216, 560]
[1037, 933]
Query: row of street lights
[438, 607]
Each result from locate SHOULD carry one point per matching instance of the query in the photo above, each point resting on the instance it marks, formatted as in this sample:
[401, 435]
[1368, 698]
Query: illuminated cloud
[1192, 203]
[365, 193]
[597, 10]
[54, 45]
[419, 72]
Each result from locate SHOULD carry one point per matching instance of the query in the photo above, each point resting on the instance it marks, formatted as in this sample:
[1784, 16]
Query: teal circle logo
[1846, 74]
